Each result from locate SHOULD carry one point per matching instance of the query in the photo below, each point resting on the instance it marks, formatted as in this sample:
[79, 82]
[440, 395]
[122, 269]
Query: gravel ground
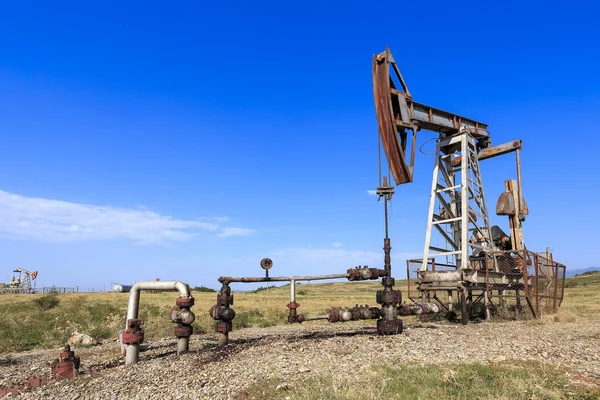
[294, 353]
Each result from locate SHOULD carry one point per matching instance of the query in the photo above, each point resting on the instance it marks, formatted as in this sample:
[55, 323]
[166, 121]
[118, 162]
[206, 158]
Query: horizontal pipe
[316, 317]
[229, 279]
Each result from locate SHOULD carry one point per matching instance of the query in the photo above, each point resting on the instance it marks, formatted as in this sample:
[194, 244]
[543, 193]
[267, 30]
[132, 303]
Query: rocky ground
[294, 353]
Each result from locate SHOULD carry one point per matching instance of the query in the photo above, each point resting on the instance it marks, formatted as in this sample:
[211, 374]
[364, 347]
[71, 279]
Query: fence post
[537, 292]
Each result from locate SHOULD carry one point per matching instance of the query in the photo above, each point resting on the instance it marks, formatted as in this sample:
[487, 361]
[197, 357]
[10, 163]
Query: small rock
[81, 339]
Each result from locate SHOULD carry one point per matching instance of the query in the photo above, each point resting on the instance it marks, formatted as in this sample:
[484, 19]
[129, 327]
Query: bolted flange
[185, 302]
[134, 334]
[391, 327]
[183, 331]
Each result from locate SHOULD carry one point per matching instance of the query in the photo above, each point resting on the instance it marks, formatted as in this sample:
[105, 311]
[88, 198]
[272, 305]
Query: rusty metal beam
[493, 151]
[394, 140]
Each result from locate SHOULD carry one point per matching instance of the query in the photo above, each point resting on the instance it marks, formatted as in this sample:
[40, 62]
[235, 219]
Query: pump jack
[477, 259]
[20, 282]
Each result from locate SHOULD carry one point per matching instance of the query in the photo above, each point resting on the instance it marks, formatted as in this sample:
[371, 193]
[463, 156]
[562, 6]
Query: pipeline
[418, 309]
[181, 314]
[356, 313]
[223, 314]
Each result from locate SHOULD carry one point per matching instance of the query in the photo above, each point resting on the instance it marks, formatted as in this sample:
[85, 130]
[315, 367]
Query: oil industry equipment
[20, 282]
[468, 265]
[465, 259]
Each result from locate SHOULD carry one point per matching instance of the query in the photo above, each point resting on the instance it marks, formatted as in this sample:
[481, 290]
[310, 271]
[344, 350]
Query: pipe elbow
[182, 288]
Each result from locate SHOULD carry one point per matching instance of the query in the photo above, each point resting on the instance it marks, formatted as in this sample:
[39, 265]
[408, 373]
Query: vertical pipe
[537, 294]
[464, 313]
[293, 291]
[554, 308]
[562, 292]
[132, 353]
[222, 338]
[183, 345]
[436, 165]
[464, 203]
[486, 307]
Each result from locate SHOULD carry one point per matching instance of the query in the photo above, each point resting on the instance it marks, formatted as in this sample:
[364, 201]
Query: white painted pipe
[183, 345]
[132, 351]
[134, 294]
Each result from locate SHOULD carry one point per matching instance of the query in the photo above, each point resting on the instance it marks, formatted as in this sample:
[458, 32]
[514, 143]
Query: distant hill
[573, 272]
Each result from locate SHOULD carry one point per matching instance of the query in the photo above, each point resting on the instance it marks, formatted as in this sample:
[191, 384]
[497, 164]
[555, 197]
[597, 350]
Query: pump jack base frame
[526, 285]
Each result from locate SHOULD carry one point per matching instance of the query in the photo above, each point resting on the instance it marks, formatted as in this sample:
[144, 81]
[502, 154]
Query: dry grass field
[102, 315]
[560, 359]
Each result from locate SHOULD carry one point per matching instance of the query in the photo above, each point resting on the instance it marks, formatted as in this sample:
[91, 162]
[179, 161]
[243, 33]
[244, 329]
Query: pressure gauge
[266, 263]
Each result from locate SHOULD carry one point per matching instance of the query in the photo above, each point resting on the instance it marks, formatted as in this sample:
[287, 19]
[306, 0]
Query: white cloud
[336, 244]
[230, 231]
[55, 220]
[372, 192]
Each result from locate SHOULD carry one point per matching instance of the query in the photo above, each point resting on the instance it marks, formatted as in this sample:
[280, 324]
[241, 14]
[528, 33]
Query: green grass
[42, 321]
[459, 381]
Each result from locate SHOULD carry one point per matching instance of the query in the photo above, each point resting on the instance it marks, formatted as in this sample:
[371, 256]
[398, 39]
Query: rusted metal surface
[506, 204]
[418, 309]
[364, 273]
[185, 302]
[223, 313]
[183, 331]
[134, 333]
[388, 322]
[66, 366]
[493, 151]
[294, 317]
[523, 275]
[397, 114]
[228, 279]
[356, 313]
[184, 318]
[266, 263]
[447, 123]
[387, 108]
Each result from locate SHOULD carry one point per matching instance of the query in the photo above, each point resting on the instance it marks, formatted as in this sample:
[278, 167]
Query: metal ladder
[457, 191]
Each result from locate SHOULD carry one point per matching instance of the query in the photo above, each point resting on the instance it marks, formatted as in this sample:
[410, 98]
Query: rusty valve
[294, 316]
[134, 334]
[341, 314]
[66, 366]
[182, 315]
[364, 273]
[222, 313]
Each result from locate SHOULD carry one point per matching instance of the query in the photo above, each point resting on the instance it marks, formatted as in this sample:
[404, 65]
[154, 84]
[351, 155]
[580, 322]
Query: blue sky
[188, 140]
